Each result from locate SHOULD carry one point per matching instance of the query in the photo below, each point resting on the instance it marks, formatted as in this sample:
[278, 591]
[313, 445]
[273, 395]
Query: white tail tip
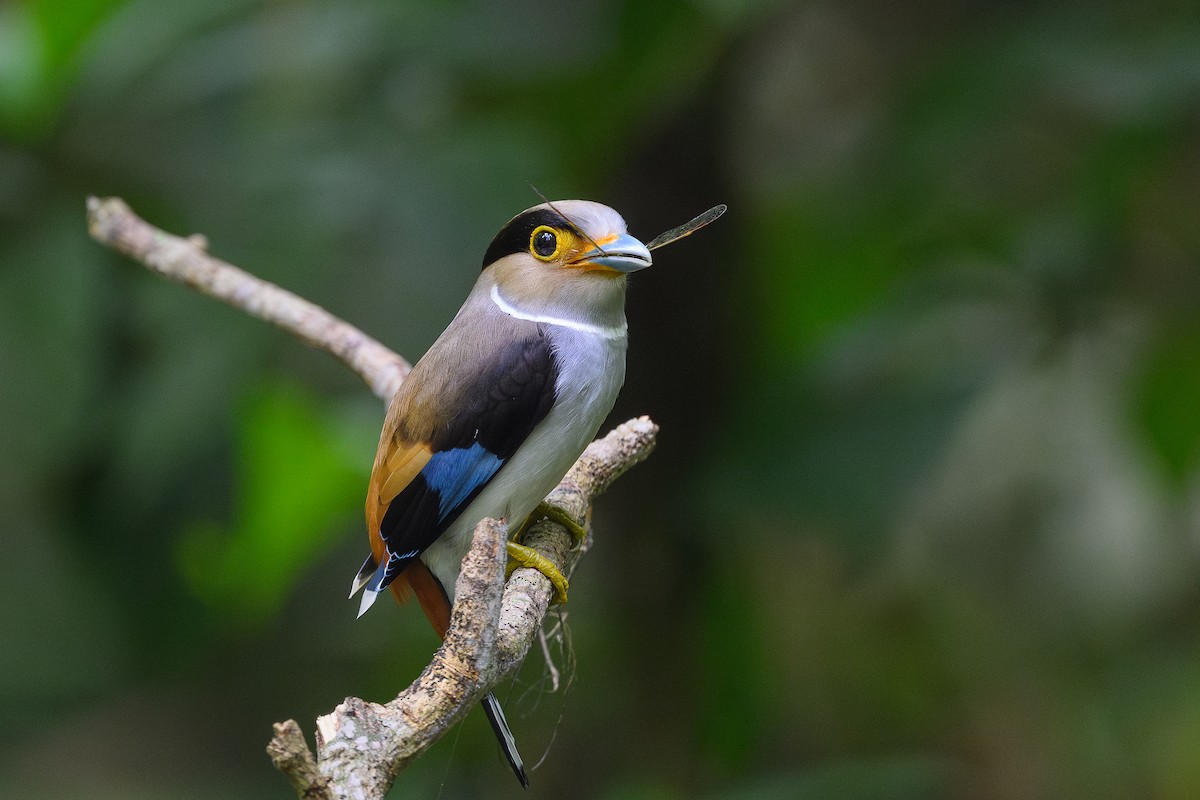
[368, 599]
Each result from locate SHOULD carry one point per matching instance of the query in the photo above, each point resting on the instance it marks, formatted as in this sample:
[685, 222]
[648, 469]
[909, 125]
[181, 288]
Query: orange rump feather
[396, 464]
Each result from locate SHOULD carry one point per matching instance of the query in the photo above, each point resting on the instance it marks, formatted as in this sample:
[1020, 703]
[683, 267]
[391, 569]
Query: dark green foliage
[923, 522]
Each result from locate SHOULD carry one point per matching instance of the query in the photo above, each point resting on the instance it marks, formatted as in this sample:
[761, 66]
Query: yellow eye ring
[544, 243]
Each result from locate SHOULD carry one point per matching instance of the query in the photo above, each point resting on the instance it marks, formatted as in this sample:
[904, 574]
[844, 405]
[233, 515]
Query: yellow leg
[528, 557]
[522, 556]
[554, 514]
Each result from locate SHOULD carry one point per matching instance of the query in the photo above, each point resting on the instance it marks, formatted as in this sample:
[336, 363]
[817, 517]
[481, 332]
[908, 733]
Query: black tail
[491, 707]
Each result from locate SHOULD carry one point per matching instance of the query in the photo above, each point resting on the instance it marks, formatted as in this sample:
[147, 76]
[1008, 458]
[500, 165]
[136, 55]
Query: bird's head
[569, 255]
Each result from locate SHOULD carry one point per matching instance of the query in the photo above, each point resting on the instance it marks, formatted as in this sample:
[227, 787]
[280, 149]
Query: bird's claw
[528, 557]
[556, 515]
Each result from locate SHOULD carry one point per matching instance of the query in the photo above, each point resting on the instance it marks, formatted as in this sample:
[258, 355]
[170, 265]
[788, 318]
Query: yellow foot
[528, 557]
[554, 514]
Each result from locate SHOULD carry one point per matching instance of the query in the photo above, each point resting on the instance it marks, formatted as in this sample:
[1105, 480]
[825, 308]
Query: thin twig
[113, 224]
[550, 668]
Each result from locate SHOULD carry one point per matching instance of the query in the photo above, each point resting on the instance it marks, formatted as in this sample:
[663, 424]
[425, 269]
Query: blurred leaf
[39, 44]
[823, 272]
[22, 68]
[66, 24]
[298, 482]
[1168, 401]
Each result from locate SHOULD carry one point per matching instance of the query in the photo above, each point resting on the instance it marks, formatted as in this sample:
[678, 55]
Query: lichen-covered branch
[362, 746]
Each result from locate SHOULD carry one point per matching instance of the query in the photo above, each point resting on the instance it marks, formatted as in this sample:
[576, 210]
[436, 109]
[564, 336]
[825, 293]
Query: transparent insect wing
[687, 228]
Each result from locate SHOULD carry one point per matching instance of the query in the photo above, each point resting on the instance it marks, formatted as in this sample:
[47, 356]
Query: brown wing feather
[396, 463]
[395, 467]
[420, 416]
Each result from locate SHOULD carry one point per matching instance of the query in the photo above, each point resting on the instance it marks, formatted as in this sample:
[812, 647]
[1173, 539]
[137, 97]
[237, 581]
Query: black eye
[544, 242]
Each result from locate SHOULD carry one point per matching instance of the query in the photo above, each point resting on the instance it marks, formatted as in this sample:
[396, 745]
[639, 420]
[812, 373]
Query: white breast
[591, 370]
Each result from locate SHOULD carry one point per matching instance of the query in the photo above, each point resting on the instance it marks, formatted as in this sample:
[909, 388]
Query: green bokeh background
[924, 521]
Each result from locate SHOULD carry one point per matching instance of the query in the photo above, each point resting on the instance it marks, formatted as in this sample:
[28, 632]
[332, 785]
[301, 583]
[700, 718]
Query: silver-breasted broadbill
[501, 406]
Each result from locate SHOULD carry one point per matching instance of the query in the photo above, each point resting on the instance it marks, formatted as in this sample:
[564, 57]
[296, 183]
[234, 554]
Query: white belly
[591, 372]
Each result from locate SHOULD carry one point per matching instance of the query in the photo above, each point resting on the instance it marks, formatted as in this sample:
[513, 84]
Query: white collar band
[615, 332]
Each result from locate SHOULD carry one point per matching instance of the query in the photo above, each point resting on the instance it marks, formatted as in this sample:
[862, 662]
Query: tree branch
[362, 746]
[113, 224]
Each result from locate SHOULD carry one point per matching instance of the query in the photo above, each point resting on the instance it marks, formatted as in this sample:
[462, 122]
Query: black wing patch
[514, 395]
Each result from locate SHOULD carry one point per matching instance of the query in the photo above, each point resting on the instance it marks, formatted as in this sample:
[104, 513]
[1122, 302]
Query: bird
[501, 405]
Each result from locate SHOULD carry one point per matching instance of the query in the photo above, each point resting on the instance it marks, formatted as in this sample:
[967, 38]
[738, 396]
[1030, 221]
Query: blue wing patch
[456, 474]
[512, 393]
[419, 514]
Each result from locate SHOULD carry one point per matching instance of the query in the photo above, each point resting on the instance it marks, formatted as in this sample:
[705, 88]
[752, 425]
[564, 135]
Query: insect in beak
[687, 228]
